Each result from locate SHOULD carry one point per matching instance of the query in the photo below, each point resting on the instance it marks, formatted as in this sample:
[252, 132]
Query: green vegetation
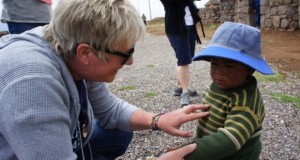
[213, 26]
[126, 88]
[150, 94]
[286, 98]
[298, 74]
[269, 78]
[150, 65]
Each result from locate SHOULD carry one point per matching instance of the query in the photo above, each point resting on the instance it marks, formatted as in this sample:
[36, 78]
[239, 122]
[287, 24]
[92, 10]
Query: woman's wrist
[153, 123]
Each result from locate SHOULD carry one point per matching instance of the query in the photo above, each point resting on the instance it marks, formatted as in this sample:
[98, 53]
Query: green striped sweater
[234, 125]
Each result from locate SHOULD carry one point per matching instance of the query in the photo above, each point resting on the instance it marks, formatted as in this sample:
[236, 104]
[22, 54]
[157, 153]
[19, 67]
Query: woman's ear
[83, 52]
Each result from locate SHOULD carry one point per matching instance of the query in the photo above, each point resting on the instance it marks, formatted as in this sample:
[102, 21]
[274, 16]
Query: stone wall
[244, 12]
[280, 14]
[210, 15]
[227, 10]
[275, 14]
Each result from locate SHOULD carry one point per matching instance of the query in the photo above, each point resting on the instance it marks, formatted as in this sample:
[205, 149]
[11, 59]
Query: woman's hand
[171, 121]
[178, 154]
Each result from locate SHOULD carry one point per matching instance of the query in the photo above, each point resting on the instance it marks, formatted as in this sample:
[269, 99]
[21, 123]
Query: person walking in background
[55, 100]
[23, 15]
[144, 19]
[256, 9]
[181, 17]
[233, 128]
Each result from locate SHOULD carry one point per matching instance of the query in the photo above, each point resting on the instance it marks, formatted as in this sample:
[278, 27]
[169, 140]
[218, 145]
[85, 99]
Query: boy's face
[228, 74]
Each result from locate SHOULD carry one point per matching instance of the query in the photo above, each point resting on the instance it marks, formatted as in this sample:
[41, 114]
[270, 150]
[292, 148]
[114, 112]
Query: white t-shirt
[188, 17]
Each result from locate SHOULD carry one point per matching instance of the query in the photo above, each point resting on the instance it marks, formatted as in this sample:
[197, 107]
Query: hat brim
[259, 65]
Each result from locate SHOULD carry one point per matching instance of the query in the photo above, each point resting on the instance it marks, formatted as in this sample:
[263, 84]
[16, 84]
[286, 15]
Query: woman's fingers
[195, 108]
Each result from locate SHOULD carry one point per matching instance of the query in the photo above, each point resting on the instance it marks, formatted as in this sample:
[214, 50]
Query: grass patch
[150, 65]
[269, 78]
[286, 98]
[298, 74]
[126, 88]
[156, 21]
[213, 26]
[150, 94]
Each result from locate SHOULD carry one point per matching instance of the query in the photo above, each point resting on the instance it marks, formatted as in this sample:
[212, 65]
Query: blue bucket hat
[237, 42]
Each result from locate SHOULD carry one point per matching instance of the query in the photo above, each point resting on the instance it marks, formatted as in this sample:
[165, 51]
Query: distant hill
[156, 21]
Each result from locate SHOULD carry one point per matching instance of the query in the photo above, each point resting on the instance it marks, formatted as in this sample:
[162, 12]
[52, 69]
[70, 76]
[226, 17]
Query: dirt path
[282, 49]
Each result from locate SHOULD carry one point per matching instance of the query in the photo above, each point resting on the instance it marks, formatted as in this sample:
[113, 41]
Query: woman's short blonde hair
[103, 24]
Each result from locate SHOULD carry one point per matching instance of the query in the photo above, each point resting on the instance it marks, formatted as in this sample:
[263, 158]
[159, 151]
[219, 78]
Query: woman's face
[228, 74]
[87, 65]
[107, 71]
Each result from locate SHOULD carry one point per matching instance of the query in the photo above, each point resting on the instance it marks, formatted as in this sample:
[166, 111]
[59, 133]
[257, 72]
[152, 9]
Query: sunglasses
[126, 56]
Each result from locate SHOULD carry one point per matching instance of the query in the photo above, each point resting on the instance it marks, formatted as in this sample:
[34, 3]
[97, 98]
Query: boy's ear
[83, 52]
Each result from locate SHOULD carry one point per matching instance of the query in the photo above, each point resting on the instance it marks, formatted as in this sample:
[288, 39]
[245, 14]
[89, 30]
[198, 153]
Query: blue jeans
[17, 28]
[106, 143]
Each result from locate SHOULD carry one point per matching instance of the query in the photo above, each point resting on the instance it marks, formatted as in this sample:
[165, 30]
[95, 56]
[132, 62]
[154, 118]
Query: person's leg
[181, 47]
[17, 28]
[108, 143]
[257, 19]
[191, 50]
[183, 77]
[183, 70]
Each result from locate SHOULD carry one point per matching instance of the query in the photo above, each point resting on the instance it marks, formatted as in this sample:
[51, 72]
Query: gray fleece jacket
[26, 11]
[39, 102]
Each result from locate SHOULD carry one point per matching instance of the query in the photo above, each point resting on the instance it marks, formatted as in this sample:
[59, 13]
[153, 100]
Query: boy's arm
[239, 126]
[214, 146]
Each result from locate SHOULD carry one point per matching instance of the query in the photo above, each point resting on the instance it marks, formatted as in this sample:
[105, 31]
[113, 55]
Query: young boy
[233, 127]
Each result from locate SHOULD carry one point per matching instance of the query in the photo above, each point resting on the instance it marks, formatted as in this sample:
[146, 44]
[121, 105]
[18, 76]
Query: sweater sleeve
[34, 118]
[111, 111]
[239, 126]
[215, 146]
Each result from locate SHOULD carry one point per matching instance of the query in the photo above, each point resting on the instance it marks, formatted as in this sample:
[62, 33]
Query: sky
[157, 9]
[151, 8]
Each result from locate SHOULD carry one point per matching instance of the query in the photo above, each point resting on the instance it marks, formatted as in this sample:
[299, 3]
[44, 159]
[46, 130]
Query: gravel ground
[152, 76]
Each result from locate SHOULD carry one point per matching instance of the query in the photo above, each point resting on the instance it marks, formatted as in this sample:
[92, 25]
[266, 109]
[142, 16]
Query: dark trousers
[257, 19]
[106, 144]
[184, 46]
[17, 28]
